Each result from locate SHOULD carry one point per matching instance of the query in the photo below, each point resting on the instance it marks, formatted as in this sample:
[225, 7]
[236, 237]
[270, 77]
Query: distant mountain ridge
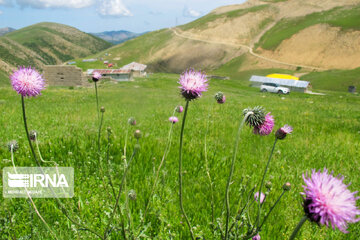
[117, 37]
[6, 30]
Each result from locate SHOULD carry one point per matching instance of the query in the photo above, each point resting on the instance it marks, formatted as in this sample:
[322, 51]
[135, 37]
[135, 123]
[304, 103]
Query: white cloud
[113, 8]
[188, 12]
[5, 2]
[55, 3]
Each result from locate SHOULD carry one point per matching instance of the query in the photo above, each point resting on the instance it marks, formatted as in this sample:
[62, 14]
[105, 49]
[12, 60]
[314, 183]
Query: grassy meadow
[326, 134]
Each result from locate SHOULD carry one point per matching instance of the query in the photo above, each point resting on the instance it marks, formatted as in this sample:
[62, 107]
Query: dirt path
[237, 45]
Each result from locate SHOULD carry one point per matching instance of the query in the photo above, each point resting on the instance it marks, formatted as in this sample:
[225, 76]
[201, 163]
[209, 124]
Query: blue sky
[106, 15]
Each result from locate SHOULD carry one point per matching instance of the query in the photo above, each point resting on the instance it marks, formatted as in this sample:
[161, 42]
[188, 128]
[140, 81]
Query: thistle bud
[132, 194]
[132, 121]
[13, 145]
[268, 184]
[179, 109]
[123, 157]
[287, 186]
[220, 97]
[137, 134]
[102, 109]
[173, 119]
[108, 129]
[283, 131]
[33, 135]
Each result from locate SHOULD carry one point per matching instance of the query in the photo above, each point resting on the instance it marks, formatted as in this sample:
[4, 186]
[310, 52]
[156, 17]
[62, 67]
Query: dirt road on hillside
[190, 36]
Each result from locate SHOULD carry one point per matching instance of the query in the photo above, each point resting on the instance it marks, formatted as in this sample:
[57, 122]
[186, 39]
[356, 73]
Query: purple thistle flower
[283, 131]
[329, 201]
[173, 119]
[96, 76]
[193, 83]
[27, 82]
[267, 126]
[262, 197]
[256, 237]
[179, 109]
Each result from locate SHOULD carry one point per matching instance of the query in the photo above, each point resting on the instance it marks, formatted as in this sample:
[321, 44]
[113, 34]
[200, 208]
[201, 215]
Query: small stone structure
[138, 69]
[64, 75]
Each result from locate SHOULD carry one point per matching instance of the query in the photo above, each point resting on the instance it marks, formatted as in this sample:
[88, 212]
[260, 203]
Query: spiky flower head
[96, 76]
[262, 197]
[132, 194]
[287, 186]
[193, 83]
[33, 135]
[267, 126]
[179, 109]
[137, 134]
[220, 97]
[283, 131]
[256, 116]
[132, 121]
[27, 82]
[256, 237]
[102, 109]
[173, 119]
[13, 145]
[329, 201]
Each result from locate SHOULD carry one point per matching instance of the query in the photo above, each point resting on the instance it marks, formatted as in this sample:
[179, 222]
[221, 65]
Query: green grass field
[335, 80]
[326, 134]
[345, 18]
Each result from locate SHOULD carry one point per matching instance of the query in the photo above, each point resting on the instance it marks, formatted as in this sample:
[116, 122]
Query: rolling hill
[296, 36]
[46, 43]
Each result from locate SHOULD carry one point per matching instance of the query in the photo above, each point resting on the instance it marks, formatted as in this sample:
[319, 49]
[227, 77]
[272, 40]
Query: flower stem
[99, 132]
[262, 183]
[63, 209]
[180, 171]
[27, 131]
[273, 206]
[296, 230]
[99, 155]
[97, 101]
[119, 194]
[231, 173]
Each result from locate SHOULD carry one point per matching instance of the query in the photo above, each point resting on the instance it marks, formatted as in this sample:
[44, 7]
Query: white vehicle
[274, 88]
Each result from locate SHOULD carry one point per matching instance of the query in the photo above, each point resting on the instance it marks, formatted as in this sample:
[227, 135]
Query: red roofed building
[113, 74]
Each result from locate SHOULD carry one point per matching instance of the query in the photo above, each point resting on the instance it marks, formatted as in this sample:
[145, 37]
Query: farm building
[62, 75]
[113, 74]
[138, 69]
[293, 85]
